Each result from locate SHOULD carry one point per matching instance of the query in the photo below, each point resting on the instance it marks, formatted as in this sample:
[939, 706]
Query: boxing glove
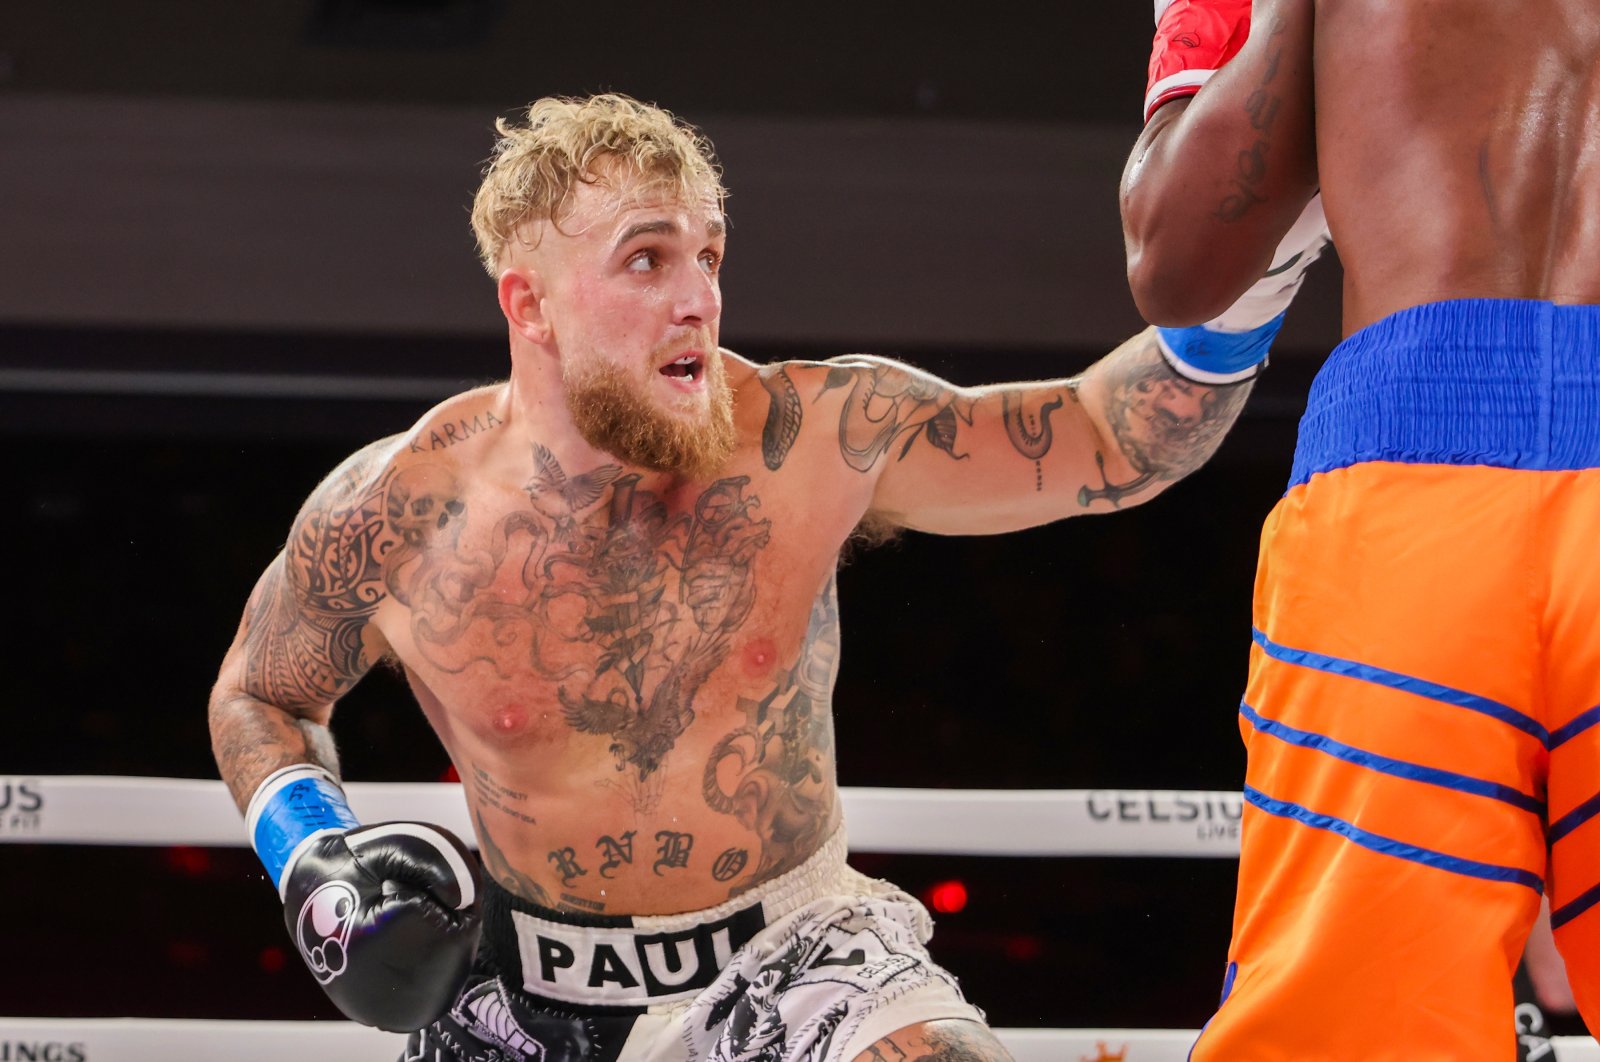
[1194, 38]
[1233, 347]
[385, 916]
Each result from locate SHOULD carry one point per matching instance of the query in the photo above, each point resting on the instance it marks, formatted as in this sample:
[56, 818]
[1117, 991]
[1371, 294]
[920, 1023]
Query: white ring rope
[163, 1040]
[83, 809]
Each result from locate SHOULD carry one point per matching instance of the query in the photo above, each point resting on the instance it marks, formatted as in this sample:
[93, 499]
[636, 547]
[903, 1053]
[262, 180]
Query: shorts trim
[1416, 772]
[1563, 915]
[1434, 691]
[1563, 734]
[1389, 846]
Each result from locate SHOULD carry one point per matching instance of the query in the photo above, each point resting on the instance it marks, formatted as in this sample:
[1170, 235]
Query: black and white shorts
[814, 966]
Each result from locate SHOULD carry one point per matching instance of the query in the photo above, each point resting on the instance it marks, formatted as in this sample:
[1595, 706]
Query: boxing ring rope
[105, 810]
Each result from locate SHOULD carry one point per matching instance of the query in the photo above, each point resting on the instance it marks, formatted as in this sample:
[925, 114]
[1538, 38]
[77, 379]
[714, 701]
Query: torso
[1459, 149]
[632, 674]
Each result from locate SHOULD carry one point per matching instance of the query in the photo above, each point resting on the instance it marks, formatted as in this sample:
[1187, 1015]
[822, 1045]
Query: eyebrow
[663, 227]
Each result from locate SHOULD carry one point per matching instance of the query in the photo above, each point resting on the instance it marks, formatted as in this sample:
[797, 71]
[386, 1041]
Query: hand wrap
[384, 916]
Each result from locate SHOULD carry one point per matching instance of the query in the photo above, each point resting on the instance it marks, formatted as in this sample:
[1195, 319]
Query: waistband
[636, 961]
[1504, 382]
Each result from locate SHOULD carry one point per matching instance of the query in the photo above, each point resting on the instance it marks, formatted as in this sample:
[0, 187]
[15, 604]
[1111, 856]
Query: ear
[521, 292]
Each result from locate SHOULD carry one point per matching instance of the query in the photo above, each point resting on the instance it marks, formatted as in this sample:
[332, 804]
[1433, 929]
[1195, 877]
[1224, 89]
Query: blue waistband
[1502, 382]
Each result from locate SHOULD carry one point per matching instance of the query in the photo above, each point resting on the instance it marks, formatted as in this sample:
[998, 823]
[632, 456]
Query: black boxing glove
[385, 916]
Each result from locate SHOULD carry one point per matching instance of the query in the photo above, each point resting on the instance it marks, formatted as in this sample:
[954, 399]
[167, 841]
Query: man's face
[632, 297]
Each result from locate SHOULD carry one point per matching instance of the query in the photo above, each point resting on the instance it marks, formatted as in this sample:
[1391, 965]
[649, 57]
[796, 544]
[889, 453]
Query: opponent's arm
[980, 460]
[1215, 183]
[384, 916]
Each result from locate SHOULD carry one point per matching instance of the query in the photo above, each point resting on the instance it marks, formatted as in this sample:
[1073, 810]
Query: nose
[699, 298]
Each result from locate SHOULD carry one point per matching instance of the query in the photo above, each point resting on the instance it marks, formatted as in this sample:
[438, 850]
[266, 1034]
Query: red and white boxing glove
[1194, 39]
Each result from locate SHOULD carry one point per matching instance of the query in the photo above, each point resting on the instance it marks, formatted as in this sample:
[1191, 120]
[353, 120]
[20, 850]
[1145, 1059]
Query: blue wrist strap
[1220, 354]
[291, 805]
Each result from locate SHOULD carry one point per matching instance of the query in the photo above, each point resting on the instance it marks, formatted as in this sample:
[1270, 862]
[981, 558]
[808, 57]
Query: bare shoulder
[460, 420]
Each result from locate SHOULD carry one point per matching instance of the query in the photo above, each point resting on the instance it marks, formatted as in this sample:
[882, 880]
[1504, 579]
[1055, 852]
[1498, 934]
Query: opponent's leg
[1393, 847]
[1573, 622]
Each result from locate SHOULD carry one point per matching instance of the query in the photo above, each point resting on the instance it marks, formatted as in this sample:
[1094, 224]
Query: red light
[449, 774]
[271, 959]
[186, 860]
[947, 897]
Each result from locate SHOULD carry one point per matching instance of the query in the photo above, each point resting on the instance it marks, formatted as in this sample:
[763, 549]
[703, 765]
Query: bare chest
[592, 606]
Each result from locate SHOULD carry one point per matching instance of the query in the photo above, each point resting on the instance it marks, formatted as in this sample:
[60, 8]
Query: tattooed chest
[583, 593]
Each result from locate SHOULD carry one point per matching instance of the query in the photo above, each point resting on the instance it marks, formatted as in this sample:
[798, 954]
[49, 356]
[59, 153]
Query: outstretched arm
[1214, 183]
[304, 638]
[957, 460]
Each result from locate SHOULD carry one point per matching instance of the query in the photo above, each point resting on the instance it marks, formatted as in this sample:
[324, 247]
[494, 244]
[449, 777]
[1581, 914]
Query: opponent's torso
[1459, 149]
[632, 675]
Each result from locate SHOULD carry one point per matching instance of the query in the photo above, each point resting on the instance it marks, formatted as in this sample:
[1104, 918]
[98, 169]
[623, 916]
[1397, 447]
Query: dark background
[233, 248]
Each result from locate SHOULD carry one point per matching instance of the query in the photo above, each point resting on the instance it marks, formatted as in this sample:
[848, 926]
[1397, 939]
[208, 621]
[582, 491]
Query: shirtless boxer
[1423, 760]
[610, 584]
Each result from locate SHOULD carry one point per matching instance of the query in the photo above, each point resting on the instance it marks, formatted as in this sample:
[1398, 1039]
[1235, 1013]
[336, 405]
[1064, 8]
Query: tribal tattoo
[303, 624]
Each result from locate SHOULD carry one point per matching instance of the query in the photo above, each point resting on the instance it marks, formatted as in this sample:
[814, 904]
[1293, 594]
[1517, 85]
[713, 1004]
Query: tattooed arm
[305, 637]
[1214, 183]
[983, 460]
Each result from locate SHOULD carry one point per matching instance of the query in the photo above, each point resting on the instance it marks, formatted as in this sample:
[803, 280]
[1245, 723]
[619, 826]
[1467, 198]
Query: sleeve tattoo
[1165, 425]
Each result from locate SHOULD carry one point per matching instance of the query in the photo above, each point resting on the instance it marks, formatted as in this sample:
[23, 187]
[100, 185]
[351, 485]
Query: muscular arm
[1214, 183]
[964, 461]
[305, 638]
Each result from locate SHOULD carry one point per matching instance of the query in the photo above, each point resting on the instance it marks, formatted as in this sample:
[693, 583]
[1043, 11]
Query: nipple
[510, 719]
[759, 656]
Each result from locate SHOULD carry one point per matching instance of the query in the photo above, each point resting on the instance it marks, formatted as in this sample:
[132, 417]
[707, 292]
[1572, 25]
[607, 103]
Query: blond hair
[567, 140]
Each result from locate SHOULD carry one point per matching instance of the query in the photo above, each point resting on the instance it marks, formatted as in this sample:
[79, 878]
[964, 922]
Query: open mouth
[690, 367]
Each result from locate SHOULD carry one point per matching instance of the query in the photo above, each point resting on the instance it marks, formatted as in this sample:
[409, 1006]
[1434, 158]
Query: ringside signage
[1207, 822]
[21, 816]
[43, 1051]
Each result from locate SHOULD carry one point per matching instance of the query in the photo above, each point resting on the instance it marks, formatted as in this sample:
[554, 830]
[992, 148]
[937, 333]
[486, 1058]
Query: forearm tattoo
[1262, 106]
[944, 1041]
[1165, 425]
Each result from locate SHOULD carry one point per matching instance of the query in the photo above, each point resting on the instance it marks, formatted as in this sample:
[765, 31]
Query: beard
[613, 413]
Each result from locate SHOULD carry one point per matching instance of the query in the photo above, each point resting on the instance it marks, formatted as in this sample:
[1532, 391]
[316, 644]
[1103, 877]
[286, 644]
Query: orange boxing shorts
[1421, 714]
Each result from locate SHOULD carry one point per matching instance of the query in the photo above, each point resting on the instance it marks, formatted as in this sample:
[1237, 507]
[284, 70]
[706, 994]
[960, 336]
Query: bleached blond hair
[566, 141]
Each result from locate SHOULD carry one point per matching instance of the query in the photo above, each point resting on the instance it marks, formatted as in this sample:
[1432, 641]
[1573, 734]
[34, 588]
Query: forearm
[1213, 184]
[1019, 455]
[251, 738]
[1152, 426]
